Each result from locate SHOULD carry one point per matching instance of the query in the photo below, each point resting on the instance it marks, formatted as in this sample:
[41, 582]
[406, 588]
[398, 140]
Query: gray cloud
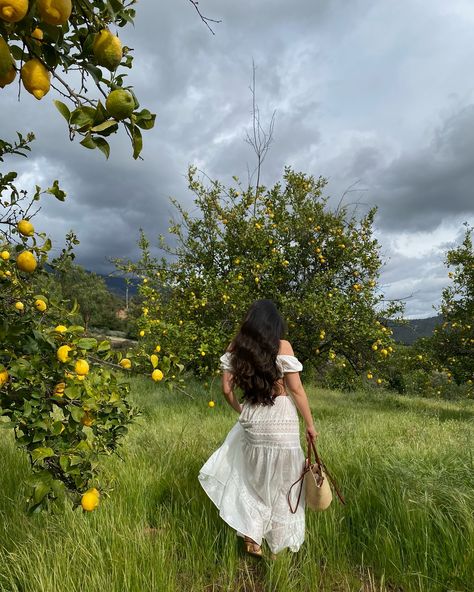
[364, 91]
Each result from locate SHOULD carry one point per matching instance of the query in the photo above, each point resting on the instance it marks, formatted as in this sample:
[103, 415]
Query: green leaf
[40, 491]
[63, 109]
[105, 126]
[41, 452]
[103, 346]
[58, 193]
[88, 142]
[137, 142]
[77, 413]
[102, 145]
[82, 116]
[64, 463]
[87, 343]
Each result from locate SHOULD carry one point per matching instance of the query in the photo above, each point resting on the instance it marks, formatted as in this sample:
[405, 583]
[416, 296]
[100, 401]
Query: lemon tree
[58, 388]
[453, 342]
[320, 266]
[46, 42]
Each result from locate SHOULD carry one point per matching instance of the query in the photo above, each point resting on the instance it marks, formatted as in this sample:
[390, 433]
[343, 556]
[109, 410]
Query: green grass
[405, 466]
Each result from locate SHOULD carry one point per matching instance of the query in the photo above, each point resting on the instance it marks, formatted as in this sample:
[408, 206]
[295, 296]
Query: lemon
[211, 404]
[120, 103]
[6, 60]
[107, 49]
[8, 78]
[4, 376]
[154, 360]
[81, 367]
[19, 305]
[36, 78]
[125, 363]
[60, 329]
[89, 501]
[25, 228]
[13, 11]
[40, 305]
[63, 353]
[369, 375]
[158, 349]
[26, 261]
[142, 333]
[55, 12]
[87, 420]
[37, 36]
[5, 255]
[157, 375]
[59, 389]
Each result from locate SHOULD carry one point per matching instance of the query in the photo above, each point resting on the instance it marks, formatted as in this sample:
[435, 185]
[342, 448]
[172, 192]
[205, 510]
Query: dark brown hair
[254, 351]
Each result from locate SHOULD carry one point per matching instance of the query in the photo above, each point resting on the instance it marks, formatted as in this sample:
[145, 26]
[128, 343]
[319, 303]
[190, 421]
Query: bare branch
[205, 19]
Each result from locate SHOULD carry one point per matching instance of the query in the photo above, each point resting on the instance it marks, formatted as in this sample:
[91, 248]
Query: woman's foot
[252, 548]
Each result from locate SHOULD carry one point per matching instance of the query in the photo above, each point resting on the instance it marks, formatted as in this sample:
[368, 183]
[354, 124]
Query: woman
[249, 476]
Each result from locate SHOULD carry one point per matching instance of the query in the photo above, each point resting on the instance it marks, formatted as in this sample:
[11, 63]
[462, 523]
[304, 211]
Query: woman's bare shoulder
[285, 348]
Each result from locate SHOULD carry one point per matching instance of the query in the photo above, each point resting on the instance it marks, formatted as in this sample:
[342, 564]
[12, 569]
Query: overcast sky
[378, 96]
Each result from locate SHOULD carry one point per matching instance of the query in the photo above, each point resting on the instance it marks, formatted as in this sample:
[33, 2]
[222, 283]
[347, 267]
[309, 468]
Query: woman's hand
[311, 433]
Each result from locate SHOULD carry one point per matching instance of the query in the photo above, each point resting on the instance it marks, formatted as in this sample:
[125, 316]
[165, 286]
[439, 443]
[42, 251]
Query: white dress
[249, 476]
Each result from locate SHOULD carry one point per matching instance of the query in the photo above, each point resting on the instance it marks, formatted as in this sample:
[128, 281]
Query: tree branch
[205, 19]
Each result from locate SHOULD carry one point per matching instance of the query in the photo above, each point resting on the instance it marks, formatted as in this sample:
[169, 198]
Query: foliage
[320, 266]
[97, 306]
[64, 414]
[69, 53]
[453, 342]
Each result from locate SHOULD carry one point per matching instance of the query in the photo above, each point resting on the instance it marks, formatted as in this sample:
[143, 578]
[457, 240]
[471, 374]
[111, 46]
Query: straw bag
[315, 478]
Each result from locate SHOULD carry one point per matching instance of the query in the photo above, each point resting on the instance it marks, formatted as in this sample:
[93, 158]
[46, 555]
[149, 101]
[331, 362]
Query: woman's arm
[228, 390]
[294, 385]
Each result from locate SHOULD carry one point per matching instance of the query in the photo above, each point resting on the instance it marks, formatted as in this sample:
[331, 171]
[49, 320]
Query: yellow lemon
[37, 35]
[211, 404]
[19, 305]
[4, 376]
[36, 78]
[6, 60]
[25, 228]
[90, 501]
[370, 375]
[13, 11]
[384, 352]
[26, 261]
[60, 329]
[8, 78]
[158, 349]
[87, 420]
[379, 381]
[59, 389]
[125, 363]
[40, 305]
[157, 375]
[120, 103]
[81, 367]
[63, 353]
[142, 333]
[107, 49]
[55, 12]
[5, 255]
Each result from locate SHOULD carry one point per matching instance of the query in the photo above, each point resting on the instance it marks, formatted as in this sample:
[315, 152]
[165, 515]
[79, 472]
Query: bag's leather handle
[307, 467]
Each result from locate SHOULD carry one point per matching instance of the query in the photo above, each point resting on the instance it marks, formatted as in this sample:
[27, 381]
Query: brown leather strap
[301, 481]
[307, 467]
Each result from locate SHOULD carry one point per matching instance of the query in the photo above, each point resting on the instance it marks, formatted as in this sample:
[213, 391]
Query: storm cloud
[376, 97]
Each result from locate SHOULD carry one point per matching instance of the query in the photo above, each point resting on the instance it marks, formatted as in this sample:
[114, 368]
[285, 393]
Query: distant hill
[414, 329]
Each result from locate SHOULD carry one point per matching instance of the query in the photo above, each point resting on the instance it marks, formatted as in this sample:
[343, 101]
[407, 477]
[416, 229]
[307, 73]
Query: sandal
[252, 548]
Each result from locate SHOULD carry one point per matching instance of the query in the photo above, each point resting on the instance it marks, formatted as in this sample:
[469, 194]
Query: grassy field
[405, 465]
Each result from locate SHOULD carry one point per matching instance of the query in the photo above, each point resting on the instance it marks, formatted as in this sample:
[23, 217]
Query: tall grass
[405, 466]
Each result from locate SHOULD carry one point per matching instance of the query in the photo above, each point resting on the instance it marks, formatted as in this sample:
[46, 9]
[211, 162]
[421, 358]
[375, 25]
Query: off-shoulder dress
[249, 476]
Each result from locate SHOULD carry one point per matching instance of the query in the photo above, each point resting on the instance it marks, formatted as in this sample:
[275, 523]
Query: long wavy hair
[254, 352]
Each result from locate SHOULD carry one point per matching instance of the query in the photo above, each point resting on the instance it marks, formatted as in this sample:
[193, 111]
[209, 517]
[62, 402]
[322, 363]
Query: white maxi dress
[249, 476]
